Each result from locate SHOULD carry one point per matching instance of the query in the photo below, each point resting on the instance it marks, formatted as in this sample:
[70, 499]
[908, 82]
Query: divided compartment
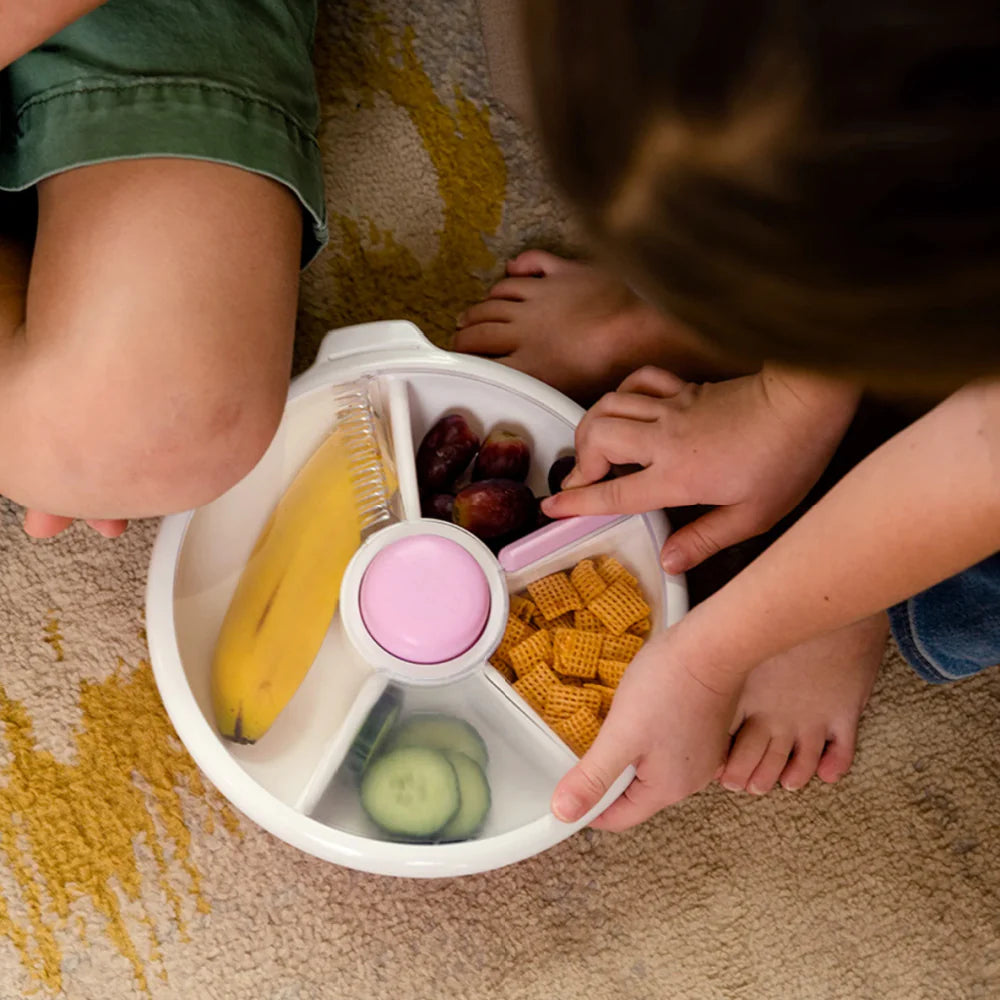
[295, 758]
[525, 763]
[633, 540]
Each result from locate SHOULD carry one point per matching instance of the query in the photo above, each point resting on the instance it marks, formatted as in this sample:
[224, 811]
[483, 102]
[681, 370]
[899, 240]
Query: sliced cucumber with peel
[440, 732]
[474, 792]
[411, 793]
[373, 732]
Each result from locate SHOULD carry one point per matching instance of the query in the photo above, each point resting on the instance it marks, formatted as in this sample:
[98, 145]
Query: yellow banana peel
[287, 595]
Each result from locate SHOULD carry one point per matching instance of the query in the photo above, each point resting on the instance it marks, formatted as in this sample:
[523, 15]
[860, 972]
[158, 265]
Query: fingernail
[672, 561]
[548, 505]
[566, 807]
[732, 786]
[573, 479]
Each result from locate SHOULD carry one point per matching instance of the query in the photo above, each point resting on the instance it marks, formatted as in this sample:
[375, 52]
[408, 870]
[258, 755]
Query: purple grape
[503, 455]
[445, 453]
[437, 505]
[496, 508]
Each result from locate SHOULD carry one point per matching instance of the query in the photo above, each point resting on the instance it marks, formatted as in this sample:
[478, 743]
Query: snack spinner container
[423, 606]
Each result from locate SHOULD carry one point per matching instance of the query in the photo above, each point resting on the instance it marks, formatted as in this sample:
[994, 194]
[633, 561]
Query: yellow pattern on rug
[70, 831]
[372, 270]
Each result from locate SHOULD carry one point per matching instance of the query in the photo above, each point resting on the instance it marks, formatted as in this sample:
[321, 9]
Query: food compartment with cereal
[374, 645]
[576, 620]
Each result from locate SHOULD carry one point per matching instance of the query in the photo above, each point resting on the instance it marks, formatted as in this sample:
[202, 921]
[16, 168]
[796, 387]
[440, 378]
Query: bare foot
[799, 712]
[579, 329]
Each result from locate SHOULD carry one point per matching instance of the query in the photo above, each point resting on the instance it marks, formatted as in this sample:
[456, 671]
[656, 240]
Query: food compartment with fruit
[339, 652]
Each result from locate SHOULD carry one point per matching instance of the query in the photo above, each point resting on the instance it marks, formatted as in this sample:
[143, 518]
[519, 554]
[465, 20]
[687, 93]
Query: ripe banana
[288, 593]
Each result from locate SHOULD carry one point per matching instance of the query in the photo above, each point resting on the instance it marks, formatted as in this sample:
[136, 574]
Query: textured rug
[123, 874]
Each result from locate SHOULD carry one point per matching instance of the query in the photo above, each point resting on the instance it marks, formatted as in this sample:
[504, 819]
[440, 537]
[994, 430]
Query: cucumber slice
[410, 793]
[373, 731]
[441, 732]
[474, 791]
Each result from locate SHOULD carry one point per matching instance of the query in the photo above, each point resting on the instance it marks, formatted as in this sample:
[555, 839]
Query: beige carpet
[123, 875]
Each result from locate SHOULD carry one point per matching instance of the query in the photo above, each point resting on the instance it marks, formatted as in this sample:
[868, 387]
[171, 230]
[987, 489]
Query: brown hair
[815, 182]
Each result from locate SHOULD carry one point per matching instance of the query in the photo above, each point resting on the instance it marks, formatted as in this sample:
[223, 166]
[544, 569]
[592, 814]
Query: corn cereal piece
[588, 582]
[534, 686]
[521, 607]
[503, 668]
[641, 628]
[579, 730]
[621, 647]
[576, 653]
[515, 632]
[555, 595]
[618, 607]
[587, 621]
[612, 571]
[606, 695]
[610, 672]
[563, 621]
[525, 656]
[562, 701]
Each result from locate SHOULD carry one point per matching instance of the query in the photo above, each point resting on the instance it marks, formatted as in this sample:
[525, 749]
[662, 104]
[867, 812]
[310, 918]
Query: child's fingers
[635, 493]
[704, 537]
[536, 263]
[513, 289]
[639, 801]
[605, 441]
[628, 405]
[491, 339]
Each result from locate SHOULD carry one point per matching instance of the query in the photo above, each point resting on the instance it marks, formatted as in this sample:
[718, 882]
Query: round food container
[413, 696]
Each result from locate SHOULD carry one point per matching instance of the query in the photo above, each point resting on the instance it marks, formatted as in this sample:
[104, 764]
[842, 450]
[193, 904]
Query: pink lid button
[424, 599]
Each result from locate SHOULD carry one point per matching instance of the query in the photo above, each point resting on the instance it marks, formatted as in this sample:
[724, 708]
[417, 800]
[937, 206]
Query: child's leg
[580, 329]
[146, 370]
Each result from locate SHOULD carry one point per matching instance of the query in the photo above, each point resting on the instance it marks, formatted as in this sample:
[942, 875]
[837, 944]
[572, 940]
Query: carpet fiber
[123, 874]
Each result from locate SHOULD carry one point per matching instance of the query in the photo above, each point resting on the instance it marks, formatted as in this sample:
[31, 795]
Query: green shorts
[224, 80]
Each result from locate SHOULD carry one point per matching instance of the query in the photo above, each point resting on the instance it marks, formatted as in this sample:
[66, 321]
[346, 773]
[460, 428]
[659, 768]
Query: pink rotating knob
[424, 599]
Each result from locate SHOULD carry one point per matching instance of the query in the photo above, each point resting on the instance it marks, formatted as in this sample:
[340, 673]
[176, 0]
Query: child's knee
[157, 448]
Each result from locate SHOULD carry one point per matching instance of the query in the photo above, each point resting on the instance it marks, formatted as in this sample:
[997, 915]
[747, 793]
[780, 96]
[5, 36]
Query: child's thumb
[588, 782]
[703, 538]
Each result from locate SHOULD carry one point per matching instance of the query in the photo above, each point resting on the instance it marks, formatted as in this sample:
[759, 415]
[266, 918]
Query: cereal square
[612, 571]
[579, 730]
[588, 582]
[526, 655]
[515, 632]
[555, 595]
[618, 607]
[621, 647]
[587, 621]
[610, 672]
[576, 653]
[562, 701]
[534, 686]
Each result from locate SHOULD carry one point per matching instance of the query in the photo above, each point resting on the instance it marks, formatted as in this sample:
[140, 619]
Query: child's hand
[751, 447]
[40, 525]
[667, 722]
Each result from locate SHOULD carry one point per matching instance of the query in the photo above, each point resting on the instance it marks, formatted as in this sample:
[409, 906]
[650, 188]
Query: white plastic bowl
[290, 782]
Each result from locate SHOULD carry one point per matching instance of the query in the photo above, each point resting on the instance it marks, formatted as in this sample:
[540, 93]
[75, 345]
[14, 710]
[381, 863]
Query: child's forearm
[23, 25]
[924, 506]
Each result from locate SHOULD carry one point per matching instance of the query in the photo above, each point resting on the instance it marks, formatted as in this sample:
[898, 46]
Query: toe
[488, 311]
[838, 755]
[802, 766]
[513, 289]
[38, 524]
[748, 749]
[535, 263]
[773, 762]
[491, 339]
[108, 528]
